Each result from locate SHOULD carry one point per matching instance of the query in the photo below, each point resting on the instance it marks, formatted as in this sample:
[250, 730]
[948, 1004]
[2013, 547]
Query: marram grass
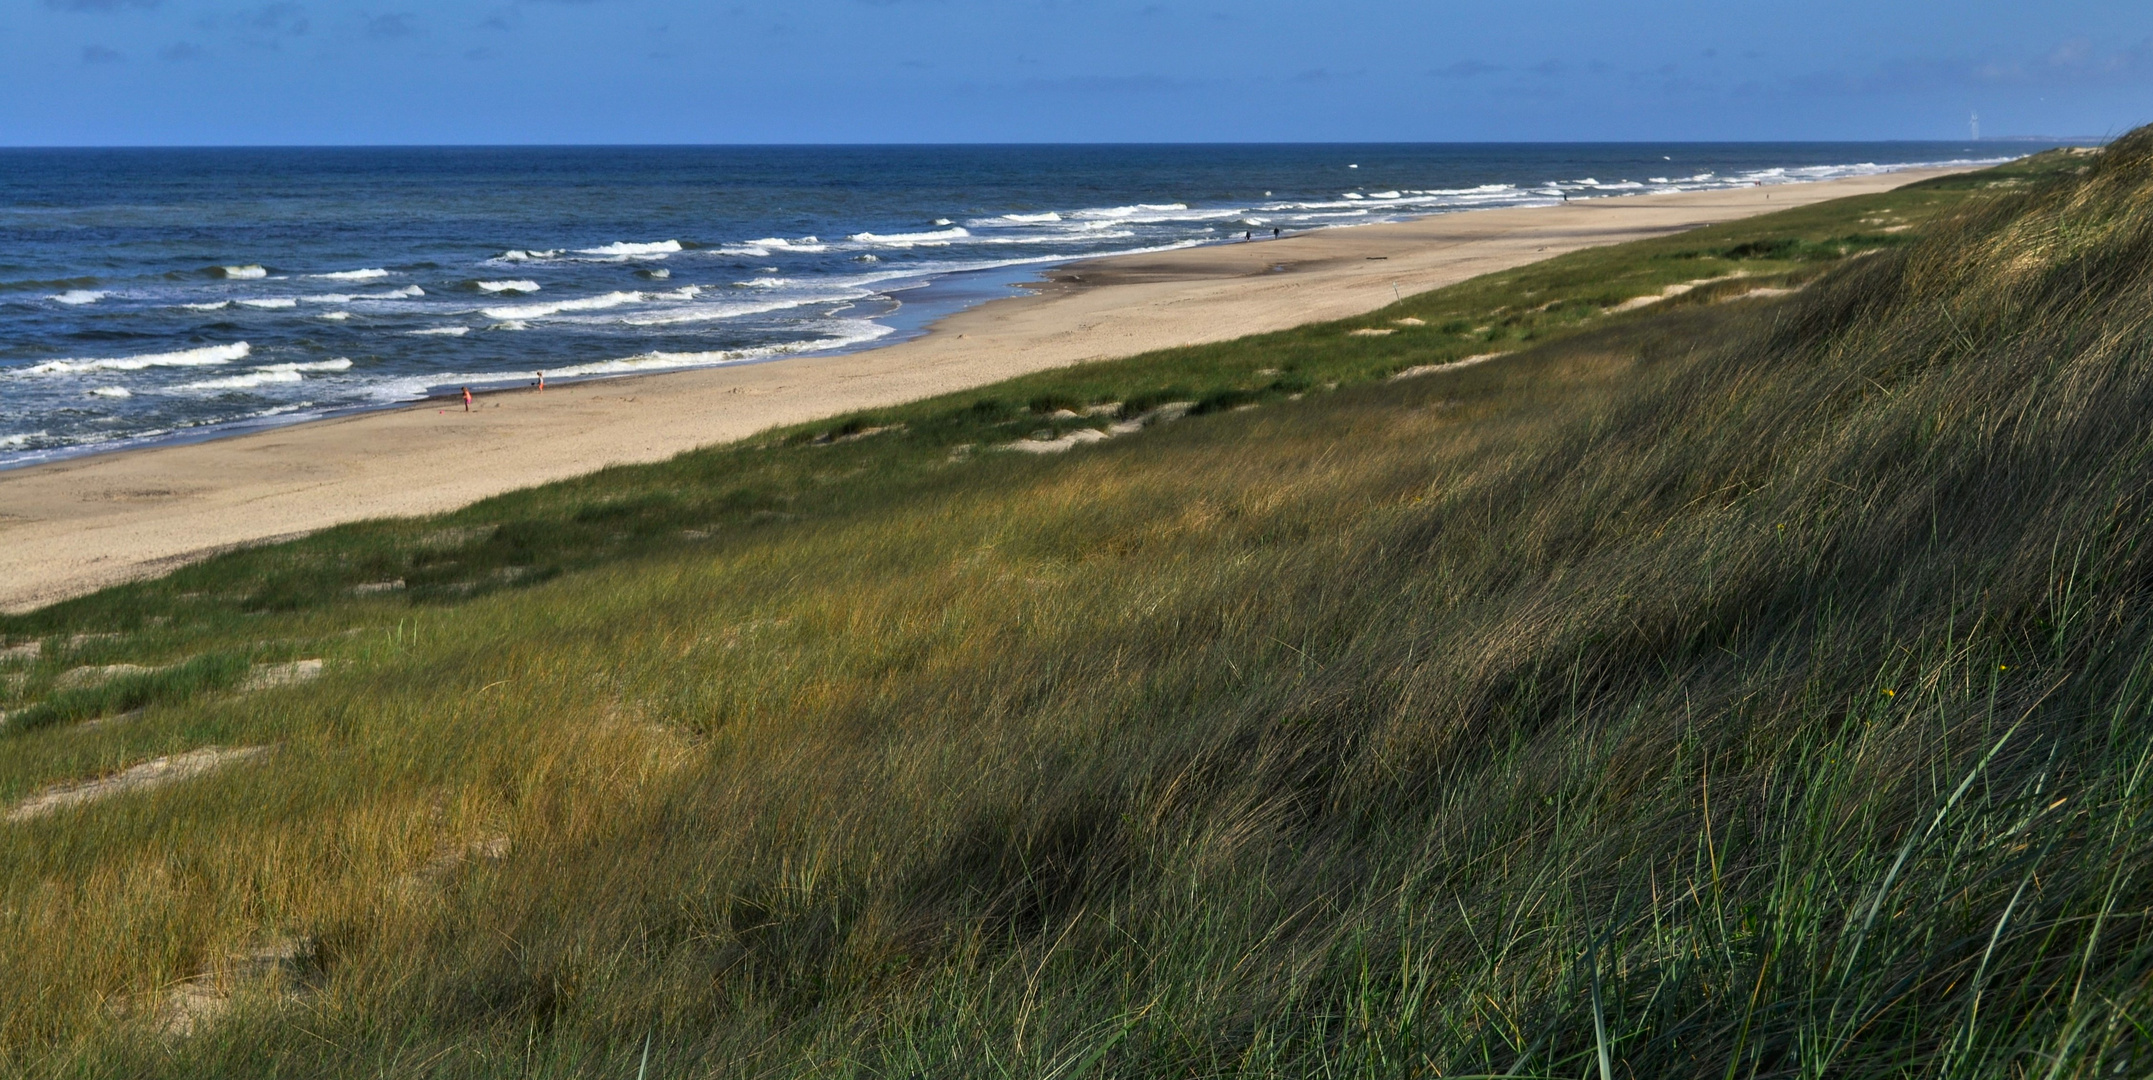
[1735, 689]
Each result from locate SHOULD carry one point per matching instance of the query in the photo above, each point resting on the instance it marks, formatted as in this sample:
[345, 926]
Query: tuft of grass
[183, 681]
[1048, 403]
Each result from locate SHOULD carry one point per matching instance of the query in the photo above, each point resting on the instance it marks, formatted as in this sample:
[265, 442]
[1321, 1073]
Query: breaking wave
[268, 374]
[588, 303]
[939, 238]
[202, 357]
[662, 247]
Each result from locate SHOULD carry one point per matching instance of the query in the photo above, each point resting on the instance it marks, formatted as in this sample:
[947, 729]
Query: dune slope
[1736, 684]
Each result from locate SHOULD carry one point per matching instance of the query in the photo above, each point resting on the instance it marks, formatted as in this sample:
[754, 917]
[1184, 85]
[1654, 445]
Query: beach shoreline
[74, 525]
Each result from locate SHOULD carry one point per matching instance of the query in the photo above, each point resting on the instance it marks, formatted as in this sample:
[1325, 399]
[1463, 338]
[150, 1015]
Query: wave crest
[633, 250]
[202, 357]
[938, 238]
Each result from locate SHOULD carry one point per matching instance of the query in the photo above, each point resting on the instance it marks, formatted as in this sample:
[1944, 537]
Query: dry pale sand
[70, 527]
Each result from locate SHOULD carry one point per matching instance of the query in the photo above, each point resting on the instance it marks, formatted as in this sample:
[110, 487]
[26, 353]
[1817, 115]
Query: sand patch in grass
[271, 676]
[1431, 369]
[1668, 293]
[1164, 414]
[77, 678]
[274, 967]
[154, 773]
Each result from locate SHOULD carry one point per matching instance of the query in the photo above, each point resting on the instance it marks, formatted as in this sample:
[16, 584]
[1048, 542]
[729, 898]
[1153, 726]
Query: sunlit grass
[1483, 722]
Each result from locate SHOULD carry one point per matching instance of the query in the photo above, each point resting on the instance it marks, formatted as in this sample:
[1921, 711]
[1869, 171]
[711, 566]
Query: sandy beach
[70, 527]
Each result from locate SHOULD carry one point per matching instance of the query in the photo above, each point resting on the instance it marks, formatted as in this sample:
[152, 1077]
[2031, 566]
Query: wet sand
[71, 527]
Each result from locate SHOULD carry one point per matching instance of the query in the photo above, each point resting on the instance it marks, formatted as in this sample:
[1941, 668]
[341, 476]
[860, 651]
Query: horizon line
[2061, 139]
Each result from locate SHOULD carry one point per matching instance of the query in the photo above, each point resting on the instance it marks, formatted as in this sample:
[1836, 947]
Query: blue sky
[169, 72]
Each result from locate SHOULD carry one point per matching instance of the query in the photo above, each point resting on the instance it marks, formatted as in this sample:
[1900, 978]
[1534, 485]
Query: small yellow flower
[2003, 667]
[1891, 693]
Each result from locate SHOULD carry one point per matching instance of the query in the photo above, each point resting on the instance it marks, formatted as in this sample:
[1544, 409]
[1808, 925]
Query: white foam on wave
[938, 238]
[507, 286]
[1109, 213]
[243, 382]
[352, 275]
[269, 374]
[275, 303]
[761, 249]
[1031, 219]
[634, 250]
[512, 324]
[406, 293]
[242, 273]
[764, 283]
[111, 392]
[214, 305]
[441, 331]
[540, 311]
[204, 356]
[1087, 236]
[720, 312]
[21, 439]
[78, 296]
[527, 256]
[336, 316]
[588, 303]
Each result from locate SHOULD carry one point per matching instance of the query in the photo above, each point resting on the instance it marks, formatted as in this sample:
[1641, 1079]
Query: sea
[152, 295]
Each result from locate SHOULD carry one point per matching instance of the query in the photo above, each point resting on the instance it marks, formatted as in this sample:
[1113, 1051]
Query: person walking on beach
[541, 382]
[467, 399]
[1274, 232]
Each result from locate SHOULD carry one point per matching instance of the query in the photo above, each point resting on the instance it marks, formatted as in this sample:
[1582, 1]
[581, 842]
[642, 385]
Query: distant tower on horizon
[1975, 124]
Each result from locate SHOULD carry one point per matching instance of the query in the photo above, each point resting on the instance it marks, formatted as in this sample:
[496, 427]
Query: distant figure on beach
[467, 399]
[1565, 195]
[1248, 236]
[1274, 232]
[541, 382]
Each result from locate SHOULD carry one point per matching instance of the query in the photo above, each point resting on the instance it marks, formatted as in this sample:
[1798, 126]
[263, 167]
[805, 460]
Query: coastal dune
[70, 527]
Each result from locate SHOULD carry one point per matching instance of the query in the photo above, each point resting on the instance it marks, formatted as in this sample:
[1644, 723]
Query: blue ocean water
[159, 294]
